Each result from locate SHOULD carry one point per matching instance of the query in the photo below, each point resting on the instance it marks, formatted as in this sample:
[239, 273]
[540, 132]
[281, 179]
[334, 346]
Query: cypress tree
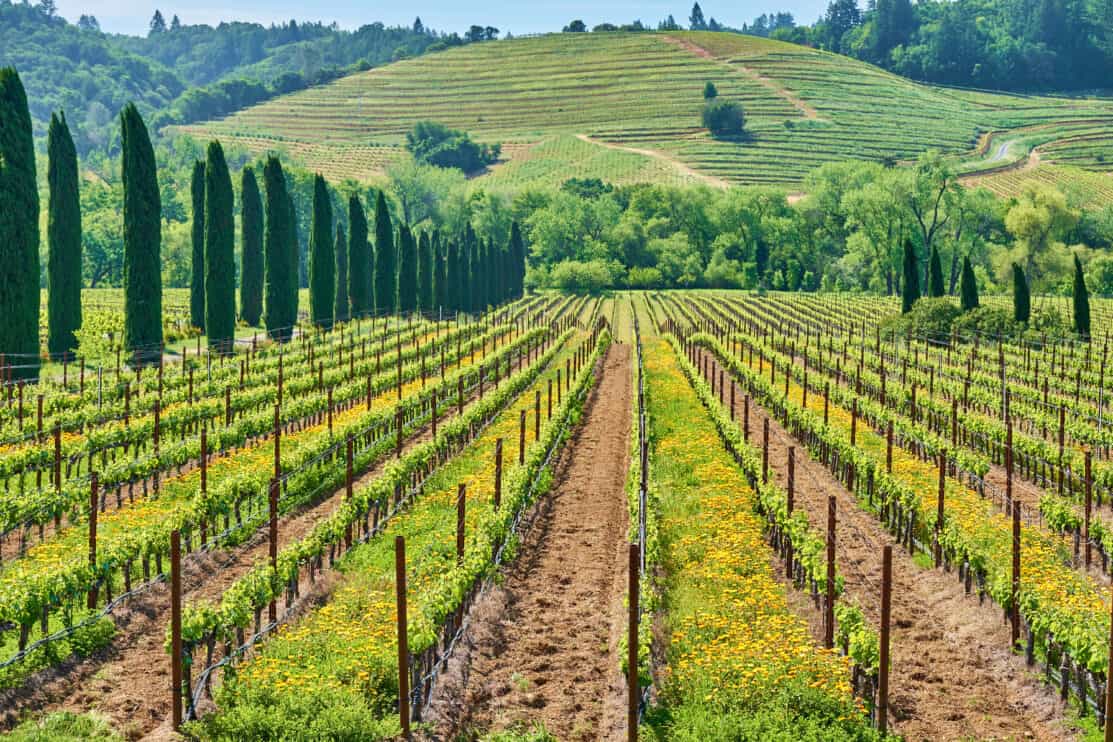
[910, 284]
[407, 270]
[969, 287]
[19, 228]
[280, 316]
[142, 240]
[440, 281]
[220, 252]
[518, 260]
[322, 260]
[452, 276]
[1022, 302]
[469, 291]
[490, 275]
[197, 263]
[386, 261]
[251, 226]
[341, 311]
[64, 241]
[1081, 302]
[294, 256]
[359, 260]
[426, 273]
[935, 275]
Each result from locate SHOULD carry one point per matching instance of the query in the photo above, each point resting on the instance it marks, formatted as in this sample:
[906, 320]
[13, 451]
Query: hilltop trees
[386, 270]
[19, 225]
[322, 261]
[142, 240]
[341, 311]
[63, 241]
[280, 273]
[197, 266]
[220, 261]
[360, 260]
[251, 227]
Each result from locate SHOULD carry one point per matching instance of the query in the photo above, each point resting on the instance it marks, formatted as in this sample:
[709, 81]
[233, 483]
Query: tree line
[400, 271]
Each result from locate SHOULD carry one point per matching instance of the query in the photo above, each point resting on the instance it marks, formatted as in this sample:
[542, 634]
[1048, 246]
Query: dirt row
[953, 676]
[542, 645]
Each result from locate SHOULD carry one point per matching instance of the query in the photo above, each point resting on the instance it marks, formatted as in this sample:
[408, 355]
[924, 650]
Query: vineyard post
[399, 365]
[889, 447]
[1014, 610]
[746, 418]
[1109, 685]
[398, 433]
[522, 438]
[632, 685]
[954, 422]
[549, 402]
[273, 539]
[227, 405]
[433, 408]
[789, 503]
[498, 473]
[732, 386]
[39, 417]
[883, 668]
[482, 374]
[854, 421]
[403, 650]
[461, 508]
[1009, 462]
[176, 628]
[826, 399]
[94, 502]
[460, 396]
[939, 512]
[537, 415]
[1089, 505]
[348, 486]
[277, 441]
[829, 608]
[330, 412]
[1062, 437]
[57, 469]
[765, 451]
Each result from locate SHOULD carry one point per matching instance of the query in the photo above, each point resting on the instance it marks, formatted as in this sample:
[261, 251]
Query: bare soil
[542, 646]
[953, 676]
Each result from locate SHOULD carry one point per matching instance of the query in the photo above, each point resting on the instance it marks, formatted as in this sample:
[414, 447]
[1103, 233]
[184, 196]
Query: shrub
[436, 144]
[930, 318]
[723, 118]
[581, 277]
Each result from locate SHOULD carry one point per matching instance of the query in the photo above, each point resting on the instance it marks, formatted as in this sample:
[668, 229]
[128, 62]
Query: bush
[580, 277]
[644, 278]
[930, 318]
[990, 321]
[723, 118]
[436, 144]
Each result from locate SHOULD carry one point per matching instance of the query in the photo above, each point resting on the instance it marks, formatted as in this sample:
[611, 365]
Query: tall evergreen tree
[426, 273]
[452, 276]
[294, 255]
[386, 261]
[1081, 297]
[440, 280]
[19, 228]
[322, 261]
[142, 240]
[342, 310]
[360, 263]
[220, 252]
[969, 287]
[469, 298]
[63, 241]
[910, 282]
[518, 258]
[490, 275]
[197, 234]
[407, 270]
[1022, 301]
[280, 276]
[251, 256]
[935, 275]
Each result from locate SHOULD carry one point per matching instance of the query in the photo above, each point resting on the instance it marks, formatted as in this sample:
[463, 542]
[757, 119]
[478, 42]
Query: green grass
[64, 726]
[642, 94]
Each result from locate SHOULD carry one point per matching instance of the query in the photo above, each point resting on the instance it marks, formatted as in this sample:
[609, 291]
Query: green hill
[625, 107]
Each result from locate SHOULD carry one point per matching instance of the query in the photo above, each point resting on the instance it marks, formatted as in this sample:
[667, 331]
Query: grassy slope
[641, 94]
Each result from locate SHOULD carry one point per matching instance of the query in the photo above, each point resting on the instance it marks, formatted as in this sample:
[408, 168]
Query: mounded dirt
[542, 646]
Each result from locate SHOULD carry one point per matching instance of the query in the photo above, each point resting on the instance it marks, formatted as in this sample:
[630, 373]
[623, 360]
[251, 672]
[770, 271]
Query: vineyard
[625, 108]
[674, 515]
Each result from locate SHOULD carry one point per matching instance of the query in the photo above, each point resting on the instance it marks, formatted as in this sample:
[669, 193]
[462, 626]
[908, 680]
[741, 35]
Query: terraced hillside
[626, 107]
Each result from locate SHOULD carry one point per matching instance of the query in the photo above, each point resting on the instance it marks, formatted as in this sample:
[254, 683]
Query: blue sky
[523, 16]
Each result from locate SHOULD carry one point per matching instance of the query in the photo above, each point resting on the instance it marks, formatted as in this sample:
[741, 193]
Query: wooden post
[826, 400]
[1109, 685]
[277, 442]
[537, 415]
[1014, 611]
[939, 511]
[94, 504]
[522, 439]
[57, 469]
[273, 538]
[460, 396]
[1009, 462]
[732, 386]
[883, 669]
[633, 696]
[498, 473]
[746, 418]
[349, 485]
[829, 607]
[398, 429]
[403, 649]
[227, 406]
[549, 401]
[854, 422]
[765, 451]
[204, 460]
[433, 409]
[176, 628]
[889, 447]
[461, 508]
[1088, 507]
